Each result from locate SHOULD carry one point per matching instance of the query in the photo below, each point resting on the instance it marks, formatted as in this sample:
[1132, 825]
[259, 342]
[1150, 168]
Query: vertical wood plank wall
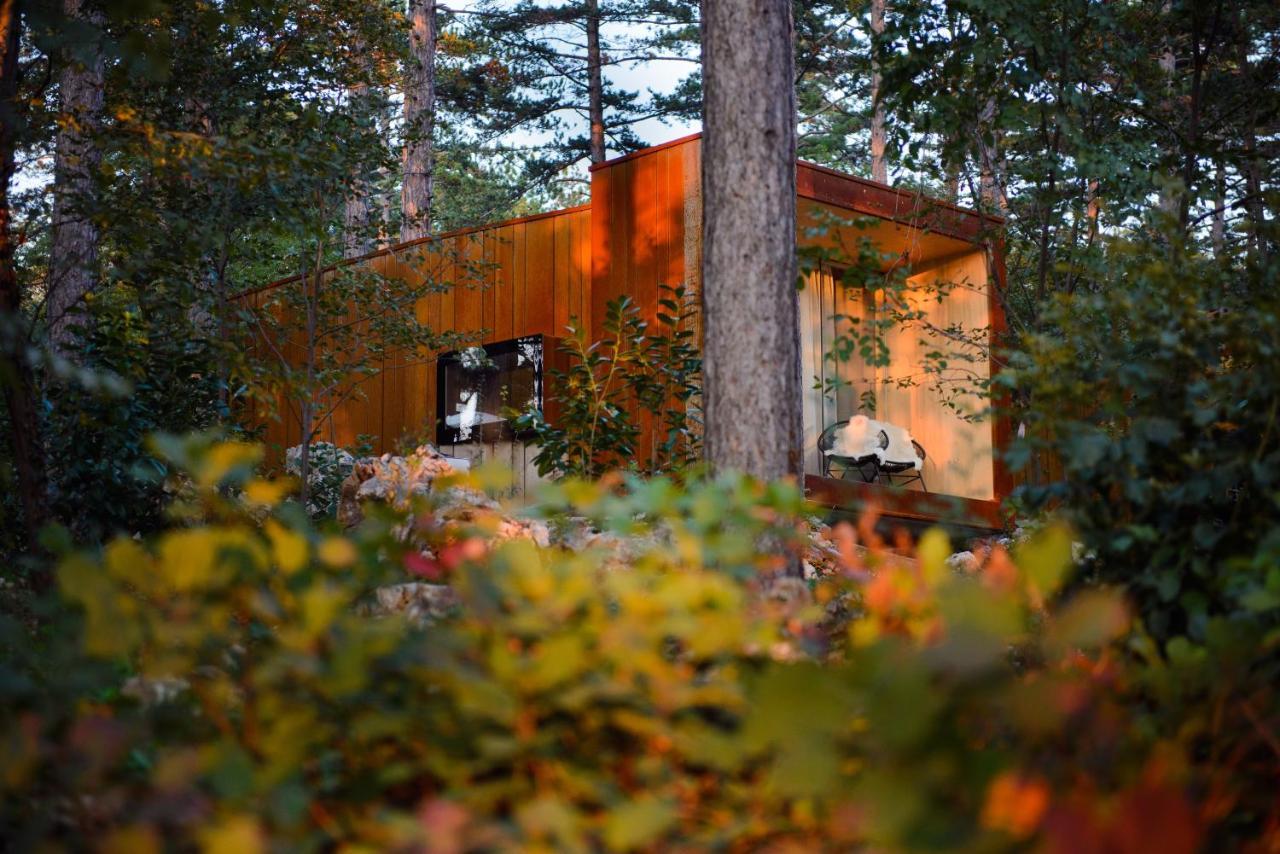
[960, 451]
[827, 309]
[646, 213]
[523, 277]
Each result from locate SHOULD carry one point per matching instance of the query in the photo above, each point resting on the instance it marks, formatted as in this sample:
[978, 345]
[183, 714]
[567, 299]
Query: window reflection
[476, 385]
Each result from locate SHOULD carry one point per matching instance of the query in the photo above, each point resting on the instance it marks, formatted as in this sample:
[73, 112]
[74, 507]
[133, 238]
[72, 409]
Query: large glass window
[476, 386]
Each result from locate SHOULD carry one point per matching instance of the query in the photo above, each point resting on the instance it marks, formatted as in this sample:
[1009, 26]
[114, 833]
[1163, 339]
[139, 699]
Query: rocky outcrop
[419, 602]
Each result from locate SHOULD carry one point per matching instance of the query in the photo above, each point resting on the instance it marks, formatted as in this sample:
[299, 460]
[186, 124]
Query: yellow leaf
[288, 547]
[337, 552]
[556, 660]
[1046, 558]
[223, 458]
[637, 823]
[128, 560]
[111, 625]
[267, 492]
[233, 835]
[189, 558]
[135, 839]
[319, 607]
[932, 553]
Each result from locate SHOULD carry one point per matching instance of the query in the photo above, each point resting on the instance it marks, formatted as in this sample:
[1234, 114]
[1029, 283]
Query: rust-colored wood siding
[523, 277]
[646, 212]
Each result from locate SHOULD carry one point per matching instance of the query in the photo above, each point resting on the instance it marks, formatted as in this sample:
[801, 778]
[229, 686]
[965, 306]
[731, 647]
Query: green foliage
[531, 72]
[1158, 396]
[629, 401]
[568, 705]
[140, 367]
[328, 467]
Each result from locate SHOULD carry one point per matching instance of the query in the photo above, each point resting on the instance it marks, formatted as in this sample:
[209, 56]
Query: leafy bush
[328, 467]
[630, 401]
[104, 480]
[683, 701]
[1159, 395]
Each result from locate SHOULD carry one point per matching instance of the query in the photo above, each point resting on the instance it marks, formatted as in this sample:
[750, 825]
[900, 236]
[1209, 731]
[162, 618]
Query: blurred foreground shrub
[683, 702]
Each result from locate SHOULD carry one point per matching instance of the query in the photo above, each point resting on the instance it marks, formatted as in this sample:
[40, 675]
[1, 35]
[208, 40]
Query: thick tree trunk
[419, 121]
[879, 171]
[73, 256]
[595, 83]
[750, 307]
[16, 377]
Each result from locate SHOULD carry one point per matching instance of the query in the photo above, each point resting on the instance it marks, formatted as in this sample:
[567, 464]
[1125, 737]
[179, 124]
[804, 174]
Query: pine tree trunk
[750, 307]
[357, 235]
[950, 164]
[1170, 198]
[16, 377]
[1093, 207]
[1219, 230]
[1251, 164]
[73, 256]
[595, 83]
[990, 164]
[879, 171]
[419, 121]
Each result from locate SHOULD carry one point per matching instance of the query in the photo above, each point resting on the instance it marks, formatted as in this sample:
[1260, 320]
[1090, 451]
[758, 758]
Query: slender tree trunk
[16, 376]
[1219, 230]
[595, 83]
[73, 256]
[750, 308]
[951, 179]
[1170, 198]
[1251, 163]
[990, 164]
[357, 212]
[419, 121]
[314, 283]
[1092, 208]
[879, 172]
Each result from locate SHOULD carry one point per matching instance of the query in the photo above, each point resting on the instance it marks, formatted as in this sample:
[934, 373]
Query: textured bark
[357, 210]
[15, 371]
[595, 83]
[879, 171]
[73, 256]
[1251, 166]
[990, 160]
[1219, 231]
[1170, 198]
[419, 121]
[1093, 207]
[751, 311]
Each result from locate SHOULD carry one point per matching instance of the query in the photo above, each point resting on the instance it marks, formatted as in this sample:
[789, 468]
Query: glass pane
[478, 385]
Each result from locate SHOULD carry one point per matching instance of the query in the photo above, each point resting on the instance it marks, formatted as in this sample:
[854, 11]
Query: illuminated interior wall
[951, 296]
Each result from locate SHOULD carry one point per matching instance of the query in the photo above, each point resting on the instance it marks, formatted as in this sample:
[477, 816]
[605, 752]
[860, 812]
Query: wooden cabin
[529, 277]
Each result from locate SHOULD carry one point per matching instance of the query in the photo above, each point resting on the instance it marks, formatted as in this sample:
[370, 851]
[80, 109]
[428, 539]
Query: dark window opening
[477, 386]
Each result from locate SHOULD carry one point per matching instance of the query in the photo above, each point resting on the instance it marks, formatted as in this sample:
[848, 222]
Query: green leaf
[638, 823]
